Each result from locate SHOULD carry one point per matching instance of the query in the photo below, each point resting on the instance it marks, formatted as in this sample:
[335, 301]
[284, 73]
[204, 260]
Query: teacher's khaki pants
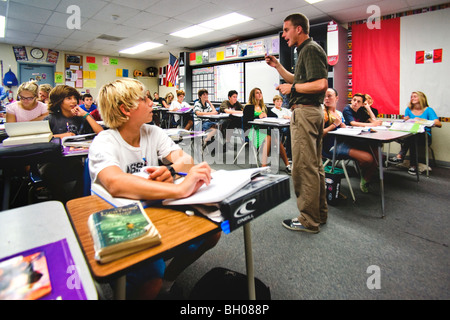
[307, 170]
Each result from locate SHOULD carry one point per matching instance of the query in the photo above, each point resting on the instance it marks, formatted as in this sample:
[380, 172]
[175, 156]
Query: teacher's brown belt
[295, 106]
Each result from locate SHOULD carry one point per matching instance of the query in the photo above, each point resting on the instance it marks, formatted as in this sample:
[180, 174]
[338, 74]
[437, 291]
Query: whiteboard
[258, 74]
[229, 77]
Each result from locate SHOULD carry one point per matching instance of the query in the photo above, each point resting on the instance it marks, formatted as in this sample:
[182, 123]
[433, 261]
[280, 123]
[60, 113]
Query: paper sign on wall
[333, 43]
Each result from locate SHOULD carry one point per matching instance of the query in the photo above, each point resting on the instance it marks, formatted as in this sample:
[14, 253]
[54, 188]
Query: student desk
[160, 110]
[378, 137]
[38, 224]
[12, 157]
[427, 156]
[275, 147]
[176, 229]
[213, 117]
[181, 114]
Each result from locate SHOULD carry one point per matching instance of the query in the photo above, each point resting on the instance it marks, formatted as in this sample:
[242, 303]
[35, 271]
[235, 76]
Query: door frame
[22, 63]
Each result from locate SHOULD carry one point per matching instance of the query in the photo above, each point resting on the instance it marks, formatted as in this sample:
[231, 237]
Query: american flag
[172, 69]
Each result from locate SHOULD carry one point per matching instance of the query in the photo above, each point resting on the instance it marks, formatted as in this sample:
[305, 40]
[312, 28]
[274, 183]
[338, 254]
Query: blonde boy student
[131, 144]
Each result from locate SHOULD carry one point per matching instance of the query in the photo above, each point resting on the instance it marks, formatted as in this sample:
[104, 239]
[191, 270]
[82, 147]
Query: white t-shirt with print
[110, 149]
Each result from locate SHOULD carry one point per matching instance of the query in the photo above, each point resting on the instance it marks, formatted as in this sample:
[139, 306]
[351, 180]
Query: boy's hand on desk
[197, 176]
[161, 174]
[66, 134]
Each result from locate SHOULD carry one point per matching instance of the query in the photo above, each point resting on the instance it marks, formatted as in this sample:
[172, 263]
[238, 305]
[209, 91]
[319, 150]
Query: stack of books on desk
[20, 133]
[121, 231]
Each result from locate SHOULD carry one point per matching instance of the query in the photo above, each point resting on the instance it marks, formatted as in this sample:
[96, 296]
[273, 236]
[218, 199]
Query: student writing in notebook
[131, 144]
[28, 108]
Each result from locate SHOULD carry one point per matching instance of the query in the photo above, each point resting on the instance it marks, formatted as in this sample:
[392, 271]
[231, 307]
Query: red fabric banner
[376, 64]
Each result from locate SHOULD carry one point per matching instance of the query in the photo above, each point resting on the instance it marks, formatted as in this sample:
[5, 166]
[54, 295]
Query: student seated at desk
[28, 108]
[333, 119]
[233, 107]
[131, 144]
[66, 119]
[417, 108]
[44, 91]
[369, 103]
[204, 107]
[88, 103]
[283, 113]
[356, 118]
[180, 104]
[256, 109]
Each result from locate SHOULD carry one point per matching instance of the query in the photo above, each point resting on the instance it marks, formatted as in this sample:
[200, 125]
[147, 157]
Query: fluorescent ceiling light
[2, 26]
[211, 25]
[312, 1]
[226, 21]
[141, 47]
[190, 32]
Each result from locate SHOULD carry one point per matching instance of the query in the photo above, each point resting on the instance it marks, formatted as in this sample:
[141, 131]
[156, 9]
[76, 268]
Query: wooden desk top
[175, 227]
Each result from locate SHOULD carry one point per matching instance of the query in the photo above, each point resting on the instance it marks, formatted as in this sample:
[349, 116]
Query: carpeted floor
[409, 247]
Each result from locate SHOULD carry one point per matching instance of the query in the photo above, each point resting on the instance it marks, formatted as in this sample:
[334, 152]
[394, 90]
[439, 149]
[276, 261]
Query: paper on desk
[349, 131]
[223, 184]
[273, 120]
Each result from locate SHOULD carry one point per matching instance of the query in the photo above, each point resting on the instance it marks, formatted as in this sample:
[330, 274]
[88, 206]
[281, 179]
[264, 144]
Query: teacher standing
[307, 87]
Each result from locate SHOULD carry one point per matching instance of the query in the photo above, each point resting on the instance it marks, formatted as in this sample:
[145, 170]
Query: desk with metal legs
[379, 138]
[176, 229]
[275, 141]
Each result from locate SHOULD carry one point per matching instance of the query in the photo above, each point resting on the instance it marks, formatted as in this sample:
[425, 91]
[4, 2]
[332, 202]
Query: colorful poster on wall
[105, 61]
[113, 61]
[52, 56]
[90, 59]
[20, 53]
[59, 77]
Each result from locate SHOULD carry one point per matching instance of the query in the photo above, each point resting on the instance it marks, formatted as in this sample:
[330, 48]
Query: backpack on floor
[225, 284]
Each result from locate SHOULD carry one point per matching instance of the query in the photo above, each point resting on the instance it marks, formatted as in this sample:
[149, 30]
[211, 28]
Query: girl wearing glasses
[28, 108]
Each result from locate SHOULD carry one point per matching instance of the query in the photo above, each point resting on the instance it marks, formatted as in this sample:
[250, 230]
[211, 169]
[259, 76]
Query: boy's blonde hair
[45, 87]
[124, 92]
[181, 93]
[277, 97]
[30, 86]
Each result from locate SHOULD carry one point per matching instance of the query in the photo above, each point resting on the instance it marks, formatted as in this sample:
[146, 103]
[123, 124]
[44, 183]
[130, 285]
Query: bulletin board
[73, 66]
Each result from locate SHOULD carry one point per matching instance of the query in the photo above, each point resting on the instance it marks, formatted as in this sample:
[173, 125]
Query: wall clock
[37, 53]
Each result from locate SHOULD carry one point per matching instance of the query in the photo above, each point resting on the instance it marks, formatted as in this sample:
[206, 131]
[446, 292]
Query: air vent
[110, 38]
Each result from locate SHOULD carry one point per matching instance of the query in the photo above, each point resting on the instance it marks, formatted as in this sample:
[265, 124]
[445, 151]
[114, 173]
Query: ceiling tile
[145, 20]
[24, 26]
[22, 12]
[121, 13]
[88, 8]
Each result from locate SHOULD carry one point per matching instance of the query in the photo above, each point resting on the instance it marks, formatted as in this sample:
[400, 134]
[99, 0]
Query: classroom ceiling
[43, 23]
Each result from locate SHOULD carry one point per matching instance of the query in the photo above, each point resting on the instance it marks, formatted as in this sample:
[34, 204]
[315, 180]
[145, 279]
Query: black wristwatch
[293, 88]
[172, 171]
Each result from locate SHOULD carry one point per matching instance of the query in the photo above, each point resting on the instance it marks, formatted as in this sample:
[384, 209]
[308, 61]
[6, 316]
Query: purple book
[60, 282]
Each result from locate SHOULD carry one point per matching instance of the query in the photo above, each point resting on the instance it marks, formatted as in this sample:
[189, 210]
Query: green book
[407, 127]
[120, 231]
